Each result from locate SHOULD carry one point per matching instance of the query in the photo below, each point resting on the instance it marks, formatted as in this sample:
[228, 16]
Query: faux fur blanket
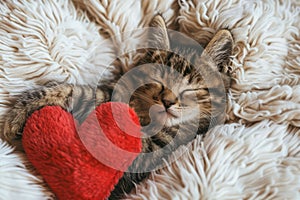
[254, 155]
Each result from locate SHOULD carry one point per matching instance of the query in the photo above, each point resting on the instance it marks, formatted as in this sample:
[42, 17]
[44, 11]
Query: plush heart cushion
[86, 161]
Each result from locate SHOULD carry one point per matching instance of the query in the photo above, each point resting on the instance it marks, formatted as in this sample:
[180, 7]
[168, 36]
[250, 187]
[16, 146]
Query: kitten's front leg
[79, 100]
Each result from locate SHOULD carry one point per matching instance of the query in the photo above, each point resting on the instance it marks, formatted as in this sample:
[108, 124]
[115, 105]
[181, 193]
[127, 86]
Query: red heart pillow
[84, 163]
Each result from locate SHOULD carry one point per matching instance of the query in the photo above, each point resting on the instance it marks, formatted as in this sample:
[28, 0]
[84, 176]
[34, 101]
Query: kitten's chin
[162, 117]
[186, 116]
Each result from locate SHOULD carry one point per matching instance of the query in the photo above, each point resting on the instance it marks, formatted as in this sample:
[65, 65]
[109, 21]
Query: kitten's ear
[219, 49]
[158, 36]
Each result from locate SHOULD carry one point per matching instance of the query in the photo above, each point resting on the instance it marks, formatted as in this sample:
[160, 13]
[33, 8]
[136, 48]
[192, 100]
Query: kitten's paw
[14, 123]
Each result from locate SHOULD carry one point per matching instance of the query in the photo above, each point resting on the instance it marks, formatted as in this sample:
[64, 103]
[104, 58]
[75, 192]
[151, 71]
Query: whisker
[161, 60]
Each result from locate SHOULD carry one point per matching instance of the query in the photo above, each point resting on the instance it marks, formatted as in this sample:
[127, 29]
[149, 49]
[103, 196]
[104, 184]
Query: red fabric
[55, 148]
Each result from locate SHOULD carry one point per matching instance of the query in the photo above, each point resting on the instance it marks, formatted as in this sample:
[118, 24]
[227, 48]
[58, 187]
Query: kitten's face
[169, 98]
[169, 90]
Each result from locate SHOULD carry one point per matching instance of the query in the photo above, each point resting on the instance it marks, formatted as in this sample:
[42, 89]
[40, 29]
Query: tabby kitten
[182, 98]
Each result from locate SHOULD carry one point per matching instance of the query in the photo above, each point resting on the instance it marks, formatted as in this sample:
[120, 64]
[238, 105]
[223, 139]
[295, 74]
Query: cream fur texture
[255, 155]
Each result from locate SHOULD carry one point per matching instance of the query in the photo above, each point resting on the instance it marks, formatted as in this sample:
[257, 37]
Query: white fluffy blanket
[255, 155]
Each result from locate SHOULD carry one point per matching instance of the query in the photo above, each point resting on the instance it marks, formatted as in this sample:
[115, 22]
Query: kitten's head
[174, 88]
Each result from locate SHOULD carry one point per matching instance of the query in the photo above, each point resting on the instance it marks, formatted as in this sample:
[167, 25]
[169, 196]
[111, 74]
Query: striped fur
[179, 96]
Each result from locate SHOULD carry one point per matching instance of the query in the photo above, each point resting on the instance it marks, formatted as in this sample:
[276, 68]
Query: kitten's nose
[168, 104]
[169, 99]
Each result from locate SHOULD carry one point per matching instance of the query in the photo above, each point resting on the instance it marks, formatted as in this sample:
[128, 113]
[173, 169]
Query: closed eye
[193, 93]
[188, 98]
[193, 90]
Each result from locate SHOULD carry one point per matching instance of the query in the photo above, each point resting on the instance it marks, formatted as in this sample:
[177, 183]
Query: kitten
[182, 98]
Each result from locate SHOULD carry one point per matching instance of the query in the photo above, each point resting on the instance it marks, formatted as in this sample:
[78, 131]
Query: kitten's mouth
[159, 114]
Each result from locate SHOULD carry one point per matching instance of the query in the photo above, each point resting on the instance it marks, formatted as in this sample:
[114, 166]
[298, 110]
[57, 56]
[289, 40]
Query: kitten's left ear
[219, 49]
[158, 36]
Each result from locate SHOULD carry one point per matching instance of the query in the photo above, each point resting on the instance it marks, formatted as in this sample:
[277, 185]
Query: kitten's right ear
[219, 49]
[158, 36]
